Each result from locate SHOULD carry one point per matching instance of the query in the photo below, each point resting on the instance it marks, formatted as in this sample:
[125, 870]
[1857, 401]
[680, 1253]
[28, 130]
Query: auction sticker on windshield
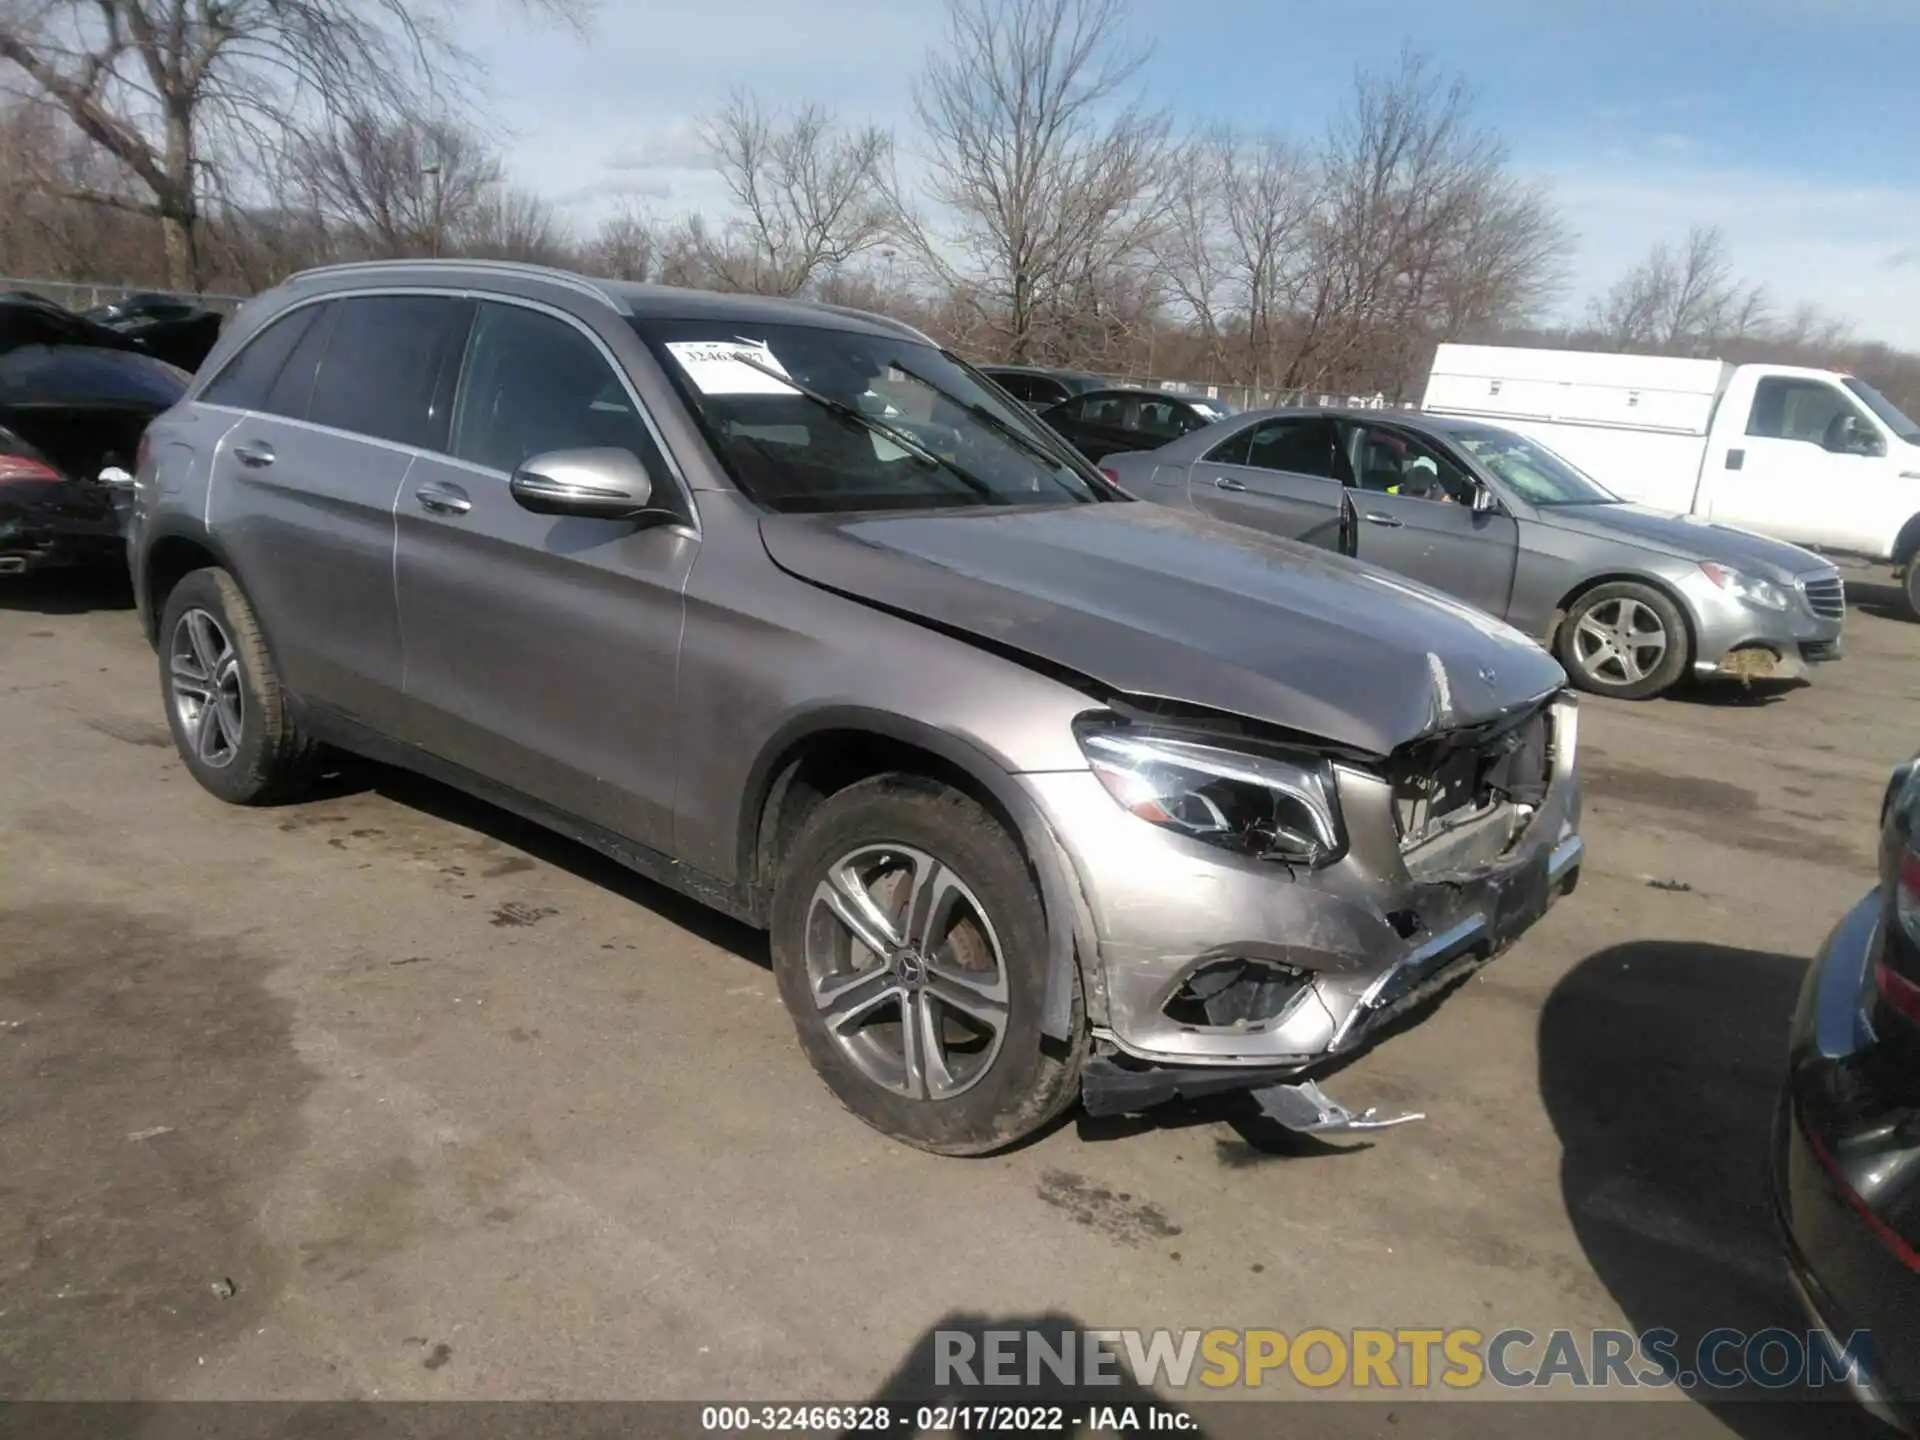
[726, 367]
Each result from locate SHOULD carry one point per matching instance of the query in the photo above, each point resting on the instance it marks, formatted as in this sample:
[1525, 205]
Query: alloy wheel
[1620, 641]
[207, 698]
[907, 971]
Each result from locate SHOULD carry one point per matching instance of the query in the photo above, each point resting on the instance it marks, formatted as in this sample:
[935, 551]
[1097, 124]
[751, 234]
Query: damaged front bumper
[1323, 962]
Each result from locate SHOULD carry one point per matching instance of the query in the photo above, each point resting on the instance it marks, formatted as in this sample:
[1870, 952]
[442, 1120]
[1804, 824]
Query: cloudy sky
[1794, 125]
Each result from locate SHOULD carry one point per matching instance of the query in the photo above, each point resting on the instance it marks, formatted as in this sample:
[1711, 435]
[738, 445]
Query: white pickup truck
[1807, 456]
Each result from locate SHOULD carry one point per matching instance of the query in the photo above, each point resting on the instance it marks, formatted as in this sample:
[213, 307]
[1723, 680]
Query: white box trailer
[1808, 456]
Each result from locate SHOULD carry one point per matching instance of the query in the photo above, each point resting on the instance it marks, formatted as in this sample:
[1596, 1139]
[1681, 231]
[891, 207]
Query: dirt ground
[454, 1109]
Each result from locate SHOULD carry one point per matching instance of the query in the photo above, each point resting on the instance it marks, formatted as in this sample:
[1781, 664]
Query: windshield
[1533, 472]
[1888, 412]
[958, 440]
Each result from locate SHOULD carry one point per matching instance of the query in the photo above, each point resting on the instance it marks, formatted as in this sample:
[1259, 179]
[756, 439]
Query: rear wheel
[1624, 639]
[1912, 586]
[225, 706]
[910, 945]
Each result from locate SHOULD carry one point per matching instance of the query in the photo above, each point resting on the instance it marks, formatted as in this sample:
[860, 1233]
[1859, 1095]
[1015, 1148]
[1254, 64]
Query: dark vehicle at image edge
[1042, 793]
[74, 399]
[1846, 1161]
[1100, 423]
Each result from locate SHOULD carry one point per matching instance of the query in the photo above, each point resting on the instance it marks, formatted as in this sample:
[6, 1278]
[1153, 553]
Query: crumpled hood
[1686, 539]
[1159, 603]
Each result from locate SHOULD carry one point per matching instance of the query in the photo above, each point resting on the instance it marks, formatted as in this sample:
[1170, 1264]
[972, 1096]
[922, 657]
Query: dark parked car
[173, 328]
[1100, 423]
[1038, 388]
[1042, 792]
[1630, 598]
[74, 400]
[1846, 1162]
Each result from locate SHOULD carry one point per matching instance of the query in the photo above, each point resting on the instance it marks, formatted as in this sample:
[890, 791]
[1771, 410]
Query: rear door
[1284, 476]
[339, 397]
[541, 650]
[1415, 503]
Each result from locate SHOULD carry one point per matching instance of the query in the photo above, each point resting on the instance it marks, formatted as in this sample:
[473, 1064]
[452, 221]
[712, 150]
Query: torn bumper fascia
[1735, 640]
[1376, 938]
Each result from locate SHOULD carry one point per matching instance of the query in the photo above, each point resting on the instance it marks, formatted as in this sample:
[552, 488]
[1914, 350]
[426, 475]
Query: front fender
[1069, 926]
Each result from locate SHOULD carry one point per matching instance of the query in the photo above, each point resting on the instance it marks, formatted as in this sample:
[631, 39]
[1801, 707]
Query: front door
[1284, 476]
[1417, 518]
[542, 650]
[1792, 456]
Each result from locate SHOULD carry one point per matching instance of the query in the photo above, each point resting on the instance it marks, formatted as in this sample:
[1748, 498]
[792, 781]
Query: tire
[897, 839]
[1590, 649]
[225, 704]
[1910, 584]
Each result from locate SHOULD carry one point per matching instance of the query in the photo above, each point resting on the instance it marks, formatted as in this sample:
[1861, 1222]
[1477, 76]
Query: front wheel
[910, 945]
[1911, 584]
[1625, 640]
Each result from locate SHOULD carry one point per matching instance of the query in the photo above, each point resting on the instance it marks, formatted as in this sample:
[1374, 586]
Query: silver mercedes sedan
[1630, 599]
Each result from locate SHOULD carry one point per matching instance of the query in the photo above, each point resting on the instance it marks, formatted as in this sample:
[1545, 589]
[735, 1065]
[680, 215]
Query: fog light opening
[1237, 994]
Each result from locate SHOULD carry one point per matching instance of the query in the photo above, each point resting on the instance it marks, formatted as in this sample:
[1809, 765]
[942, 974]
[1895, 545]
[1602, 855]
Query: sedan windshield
[1889, 413]
[1532, 471]
[869, 422]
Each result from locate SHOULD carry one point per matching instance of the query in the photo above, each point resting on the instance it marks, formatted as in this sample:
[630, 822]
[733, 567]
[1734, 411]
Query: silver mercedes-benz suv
[1041, 792]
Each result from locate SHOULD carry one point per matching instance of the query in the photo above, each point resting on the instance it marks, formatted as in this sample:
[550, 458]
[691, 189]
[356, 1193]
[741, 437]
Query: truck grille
[1826, 596]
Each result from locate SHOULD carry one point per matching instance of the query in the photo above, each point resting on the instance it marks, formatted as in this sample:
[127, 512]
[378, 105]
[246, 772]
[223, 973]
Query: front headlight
[1264, 806]
[1763, 594]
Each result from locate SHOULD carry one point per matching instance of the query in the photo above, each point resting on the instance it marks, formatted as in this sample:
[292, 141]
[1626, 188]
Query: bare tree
[1413, 194]
[1049, 176]
[628, 245]
[511, 223]
[399, 187]
[175, 91]
[809, 195]
[1685, 299]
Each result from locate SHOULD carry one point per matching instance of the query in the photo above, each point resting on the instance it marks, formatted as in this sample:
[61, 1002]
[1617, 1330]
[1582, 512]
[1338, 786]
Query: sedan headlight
[1265, 806]
[1762, 594]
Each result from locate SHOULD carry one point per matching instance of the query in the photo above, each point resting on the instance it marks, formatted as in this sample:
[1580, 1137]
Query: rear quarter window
[246, 380]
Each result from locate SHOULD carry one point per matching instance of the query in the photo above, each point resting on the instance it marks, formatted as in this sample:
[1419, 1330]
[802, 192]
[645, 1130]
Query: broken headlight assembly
[1267, 806]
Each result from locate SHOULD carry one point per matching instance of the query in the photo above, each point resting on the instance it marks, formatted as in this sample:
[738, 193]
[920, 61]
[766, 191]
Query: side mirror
[600, 484]
[1856, 437]
[1485, 502]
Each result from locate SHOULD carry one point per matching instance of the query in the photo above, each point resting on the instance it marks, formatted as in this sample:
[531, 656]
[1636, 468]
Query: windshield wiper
[872, 426]
[982, 413]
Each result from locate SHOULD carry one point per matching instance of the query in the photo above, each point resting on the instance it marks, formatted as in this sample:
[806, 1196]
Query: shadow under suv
[1041, 792]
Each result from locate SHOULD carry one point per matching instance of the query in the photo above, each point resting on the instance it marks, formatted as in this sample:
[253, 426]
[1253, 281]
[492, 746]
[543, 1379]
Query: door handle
[1227, 482]
[258, 455]
[1380, 517]
[441, 498]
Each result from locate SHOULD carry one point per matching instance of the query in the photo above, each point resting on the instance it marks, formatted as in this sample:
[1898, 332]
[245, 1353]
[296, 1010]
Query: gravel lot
[462, 1111]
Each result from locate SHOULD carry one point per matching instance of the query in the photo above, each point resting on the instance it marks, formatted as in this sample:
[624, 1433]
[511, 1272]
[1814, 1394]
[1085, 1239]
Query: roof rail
[567, 278]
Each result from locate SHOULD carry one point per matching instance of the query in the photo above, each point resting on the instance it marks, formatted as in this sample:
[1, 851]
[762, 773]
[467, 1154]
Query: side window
[1790, 409]
[1020, 387]
[382, 366]
[1110, 410]
[1299, 447]
[293, 387]
[245, 380]
[1160, 419]
[1232, 451]
[534, 383]
[1042, 391]
[1395, 463]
